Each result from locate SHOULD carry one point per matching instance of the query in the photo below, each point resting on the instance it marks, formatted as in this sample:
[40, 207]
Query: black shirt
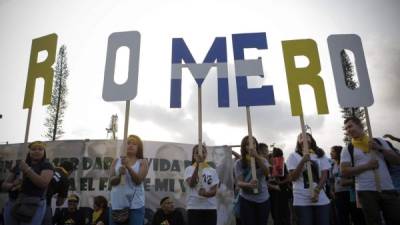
[64, 217]
[174, 218]
[59, 184]
[12, 195]
[28, 187]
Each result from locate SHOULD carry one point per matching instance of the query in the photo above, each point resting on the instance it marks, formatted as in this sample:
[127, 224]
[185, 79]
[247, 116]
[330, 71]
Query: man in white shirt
[361, 164]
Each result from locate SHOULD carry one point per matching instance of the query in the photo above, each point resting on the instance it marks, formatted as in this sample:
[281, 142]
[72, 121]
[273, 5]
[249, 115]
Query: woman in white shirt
[129, 196]
[310, 208]
[202, 179]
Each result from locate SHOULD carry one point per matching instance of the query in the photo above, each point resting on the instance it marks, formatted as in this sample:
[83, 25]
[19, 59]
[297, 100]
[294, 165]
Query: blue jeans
[253, 213]
[136, 217]
[312, 215]
[36, 220]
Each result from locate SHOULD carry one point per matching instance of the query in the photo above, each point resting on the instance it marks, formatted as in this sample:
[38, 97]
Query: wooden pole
[251, 144]
[306, 151]
[199, 122]
[124, 143]
[28, 124]
[199, 132]
[23, 147]
[127, 107]
[374, 156]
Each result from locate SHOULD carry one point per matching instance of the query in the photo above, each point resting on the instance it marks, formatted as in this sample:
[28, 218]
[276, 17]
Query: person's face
[300, 139]
[72, 205]
[36, 153]
[264, 152]
[168, 206]
[353, 130]
[175, 155]
[96, 207]
[202, 157]
[131, 148]
[333, 154]
[248, 145]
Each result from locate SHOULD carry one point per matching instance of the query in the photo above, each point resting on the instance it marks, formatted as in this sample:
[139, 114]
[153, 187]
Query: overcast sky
[84, 27]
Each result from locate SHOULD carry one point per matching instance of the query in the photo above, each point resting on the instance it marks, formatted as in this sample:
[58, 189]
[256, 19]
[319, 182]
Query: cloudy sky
[84, 27]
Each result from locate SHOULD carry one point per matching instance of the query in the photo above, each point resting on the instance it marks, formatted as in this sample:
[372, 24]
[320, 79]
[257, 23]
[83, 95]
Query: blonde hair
[136, 140]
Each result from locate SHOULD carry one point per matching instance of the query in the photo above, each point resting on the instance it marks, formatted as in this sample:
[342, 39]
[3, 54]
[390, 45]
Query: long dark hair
[338, 150]
[195, 148]
[313, 145]
[101, 202]
[243, 152]
[277, 152]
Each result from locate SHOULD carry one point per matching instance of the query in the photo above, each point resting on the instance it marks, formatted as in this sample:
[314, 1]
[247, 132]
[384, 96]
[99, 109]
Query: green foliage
[58, 103]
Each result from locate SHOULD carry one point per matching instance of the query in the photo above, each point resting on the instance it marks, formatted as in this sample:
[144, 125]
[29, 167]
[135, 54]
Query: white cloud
[85, 26]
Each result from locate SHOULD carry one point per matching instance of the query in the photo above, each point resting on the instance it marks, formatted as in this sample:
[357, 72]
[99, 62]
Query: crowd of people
[358, 185]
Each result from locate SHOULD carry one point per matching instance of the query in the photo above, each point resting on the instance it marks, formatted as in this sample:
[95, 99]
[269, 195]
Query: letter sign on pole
[127, 91]
[347, 97]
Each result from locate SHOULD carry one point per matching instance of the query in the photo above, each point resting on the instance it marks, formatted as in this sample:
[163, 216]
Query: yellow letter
[307, 75]
[43, 69]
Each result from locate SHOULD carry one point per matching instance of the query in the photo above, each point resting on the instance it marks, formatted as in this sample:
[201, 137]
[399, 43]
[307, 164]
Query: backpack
[350, 148]
[394, 170]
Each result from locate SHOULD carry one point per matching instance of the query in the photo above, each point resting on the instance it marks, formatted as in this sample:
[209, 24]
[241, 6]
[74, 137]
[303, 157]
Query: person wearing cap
[37, 172]
[133, 169]
[59, 185]
[167, 215]
[70, 216]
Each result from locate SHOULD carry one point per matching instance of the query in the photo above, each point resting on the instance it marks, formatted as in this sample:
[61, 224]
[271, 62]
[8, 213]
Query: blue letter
[216, 56]
[253, 67]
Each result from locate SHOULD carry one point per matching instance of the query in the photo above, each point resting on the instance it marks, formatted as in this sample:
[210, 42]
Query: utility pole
[113, 128]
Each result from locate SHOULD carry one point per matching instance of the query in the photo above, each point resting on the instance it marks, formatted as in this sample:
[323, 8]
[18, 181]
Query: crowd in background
[359, 184]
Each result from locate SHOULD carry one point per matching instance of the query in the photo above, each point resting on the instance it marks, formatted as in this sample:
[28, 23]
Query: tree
[58, 104]
[352, 84]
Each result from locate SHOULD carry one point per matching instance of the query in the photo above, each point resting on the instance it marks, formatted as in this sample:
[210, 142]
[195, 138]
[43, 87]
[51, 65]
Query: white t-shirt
[208, 178]
[301, 191]
[365, 181]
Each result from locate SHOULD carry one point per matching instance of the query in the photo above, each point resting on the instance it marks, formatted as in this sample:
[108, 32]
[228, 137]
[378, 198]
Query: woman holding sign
[310, 208]
[30, 205]
[203, 181]
[254, 196]
[127, 200]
